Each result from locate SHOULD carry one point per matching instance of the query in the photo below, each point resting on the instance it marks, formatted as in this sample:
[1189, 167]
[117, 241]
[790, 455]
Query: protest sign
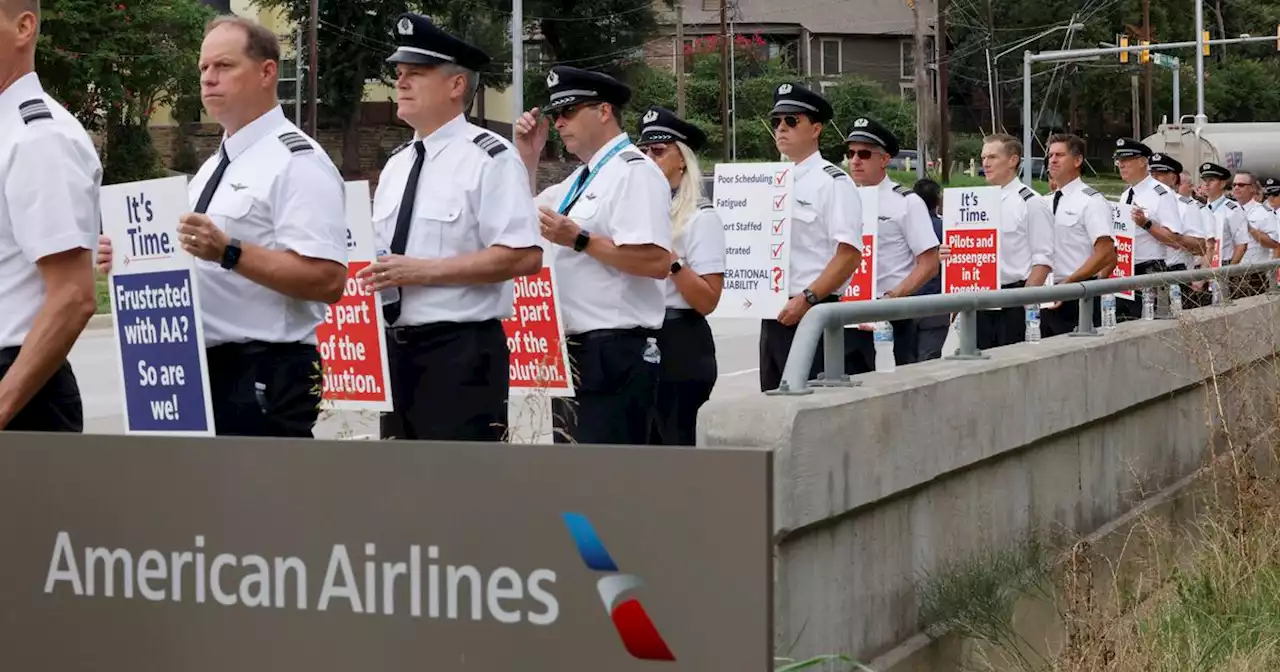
[1123, 229]
[155, 303]
[754, 201]
[863, 284]
[971, 228]
[535, 337]
[1219, 227]
[352, 340]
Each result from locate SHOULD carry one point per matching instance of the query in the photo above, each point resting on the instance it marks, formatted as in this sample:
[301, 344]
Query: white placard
[971, 220]
[754, 201]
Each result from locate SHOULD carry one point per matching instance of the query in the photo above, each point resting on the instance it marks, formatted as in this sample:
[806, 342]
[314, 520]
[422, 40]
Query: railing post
[1084, 323]
[833, 373]
[968, 333]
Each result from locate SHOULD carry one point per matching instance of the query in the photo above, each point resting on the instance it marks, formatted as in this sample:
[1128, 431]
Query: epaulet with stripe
[901, 190]
[296, 143]
[399, 149]
[1161, 190]
[705, 204]
[34, 110]
[834, 171]
[1090, 191]
[1187, 199]
[1026, 193]
[631, 156]
[1231, 204]
[489, 143]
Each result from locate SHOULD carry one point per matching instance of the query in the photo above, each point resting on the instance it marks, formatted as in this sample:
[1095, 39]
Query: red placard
[974, 262]
[862, 287]
[1124, 261]
[351, 346]
[539, 358]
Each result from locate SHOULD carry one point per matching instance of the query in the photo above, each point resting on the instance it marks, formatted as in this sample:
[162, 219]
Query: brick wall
[659, 53]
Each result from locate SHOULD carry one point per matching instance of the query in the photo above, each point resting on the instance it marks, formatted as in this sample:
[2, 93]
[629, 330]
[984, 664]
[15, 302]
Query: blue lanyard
[572, 197]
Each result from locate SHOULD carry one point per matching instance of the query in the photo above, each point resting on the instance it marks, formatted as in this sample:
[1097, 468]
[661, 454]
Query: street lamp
[992, 60]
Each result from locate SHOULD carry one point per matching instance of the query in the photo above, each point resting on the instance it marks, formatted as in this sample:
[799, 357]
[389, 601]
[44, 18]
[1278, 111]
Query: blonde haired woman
[696, 280]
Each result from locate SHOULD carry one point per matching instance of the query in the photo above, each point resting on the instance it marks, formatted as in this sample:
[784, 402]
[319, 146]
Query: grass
[104, 295]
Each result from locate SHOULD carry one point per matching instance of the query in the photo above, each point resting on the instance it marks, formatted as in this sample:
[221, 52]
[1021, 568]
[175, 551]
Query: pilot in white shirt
[1083, 247]
[1262, 235]
[49, 216]
[1231, 223]
[454, 211]
[1195, 224]
[906, 244]
[268, 232]
[1159, 226]
[610, 226]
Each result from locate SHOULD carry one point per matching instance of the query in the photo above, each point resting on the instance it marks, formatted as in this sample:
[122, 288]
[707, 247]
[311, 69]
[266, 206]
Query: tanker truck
[1252, 147]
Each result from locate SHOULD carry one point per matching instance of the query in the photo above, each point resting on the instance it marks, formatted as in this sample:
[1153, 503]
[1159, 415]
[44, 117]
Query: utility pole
[517, 62]
[679, 61]
[312, 91]
[724, 75]
[922, 89]
[944, 124]
[997, 108]
[1133, 80]
[1146, 68]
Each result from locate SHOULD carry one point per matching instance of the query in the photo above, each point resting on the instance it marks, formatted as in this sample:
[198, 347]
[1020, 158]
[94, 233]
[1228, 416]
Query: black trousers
[1250, 284]
[930, 339]
[615, 389]
[56, 406]
[1002, 327]
[265, 389]
[1127, 310]
[450, 381]
[906, 346]
[688, 376]
[775, 345]
[1063, 319]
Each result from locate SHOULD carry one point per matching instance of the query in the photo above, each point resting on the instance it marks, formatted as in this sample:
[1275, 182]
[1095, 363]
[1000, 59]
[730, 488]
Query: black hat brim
[788, 108]
[412, 57]
[1129, 154]
[868, 137]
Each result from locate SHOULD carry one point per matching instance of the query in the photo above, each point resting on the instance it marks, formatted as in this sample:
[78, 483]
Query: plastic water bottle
[1108, 311]
[1175, 299]
[1033, 323]
[1149, 303]
[1217, 291]
[884, 347]
[651, 352]
[391, 294]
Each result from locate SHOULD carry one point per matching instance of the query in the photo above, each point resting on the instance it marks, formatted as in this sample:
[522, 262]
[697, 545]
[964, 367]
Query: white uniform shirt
[702, 246]
[1234, 226]
[473, 193]
[628, 201]
[826, 212]
[1263, 219]
[51, 176]
[1196, 223]
[1026, 232]
[1161, 205]
[904, 232]
[275, 197]
[1083, 217]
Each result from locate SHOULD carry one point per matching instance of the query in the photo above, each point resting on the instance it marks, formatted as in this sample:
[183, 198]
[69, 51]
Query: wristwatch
[810, 297]
[231, 254]
[676, 266]
[580, 243]
[1146, 226]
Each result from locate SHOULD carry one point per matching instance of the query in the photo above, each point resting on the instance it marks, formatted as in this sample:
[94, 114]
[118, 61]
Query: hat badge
[553, 79]
[1204, 167]
[860, 123]
[1157, 157]
[650, 116]
[405, 26]
[784, 89]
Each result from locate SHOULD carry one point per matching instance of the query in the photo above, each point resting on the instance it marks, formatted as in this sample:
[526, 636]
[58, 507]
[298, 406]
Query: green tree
[595, 34]
[112, 64]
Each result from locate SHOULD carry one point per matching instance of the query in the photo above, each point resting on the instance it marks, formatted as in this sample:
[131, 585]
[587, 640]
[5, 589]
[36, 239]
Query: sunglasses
[1242, 184]
[655, 150]
[790, 120]
[864, 154]
[569, 112]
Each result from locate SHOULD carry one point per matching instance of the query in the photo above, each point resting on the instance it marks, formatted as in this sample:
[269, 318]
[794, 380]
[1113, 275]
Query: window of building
[710, 5]
[831, 49]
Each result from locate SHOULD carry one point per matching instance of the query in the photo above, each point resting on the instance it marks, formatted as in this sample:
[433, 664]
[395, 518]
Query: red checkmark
[777, 201]
[779, 178]
[777, 250]
[777, 225]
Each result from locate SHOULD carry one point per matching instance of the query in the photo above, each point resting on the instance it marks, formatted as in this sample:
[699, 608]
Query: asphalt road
[97, 370]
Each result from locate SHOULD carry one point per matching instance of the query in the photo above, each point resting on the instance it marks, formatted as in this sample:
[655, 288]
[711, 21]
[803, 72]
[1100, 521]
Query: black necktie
[212, 185]
[582, 179]
[1129, 199]
[391, 311]
[1057, 196]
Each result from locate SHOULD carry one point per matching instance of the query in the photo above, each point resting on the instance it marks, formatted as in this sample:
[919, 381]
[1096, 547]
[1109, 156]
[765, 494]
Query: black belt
[417, 332]
[1014, 285]
[259, 348]
[1177, 267]
[682, 314]
[9, 355]
[1144, 265]
[601, 334]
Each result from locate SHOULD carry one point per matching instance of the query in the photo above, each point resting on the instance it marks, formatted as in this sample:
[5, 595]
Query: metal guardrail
[826, 321]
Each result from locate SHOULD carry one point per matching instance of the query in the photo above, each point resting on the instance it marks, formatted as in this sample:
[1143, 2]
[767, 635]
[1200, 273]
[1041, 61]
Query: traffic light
[1124, 55]
[1206, 43]
[1144, 56]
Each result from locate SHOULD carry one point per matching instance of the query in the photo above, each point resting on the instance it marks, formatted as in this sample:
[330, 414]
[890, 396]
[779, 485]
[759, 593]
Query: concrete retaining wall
[878, 484]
